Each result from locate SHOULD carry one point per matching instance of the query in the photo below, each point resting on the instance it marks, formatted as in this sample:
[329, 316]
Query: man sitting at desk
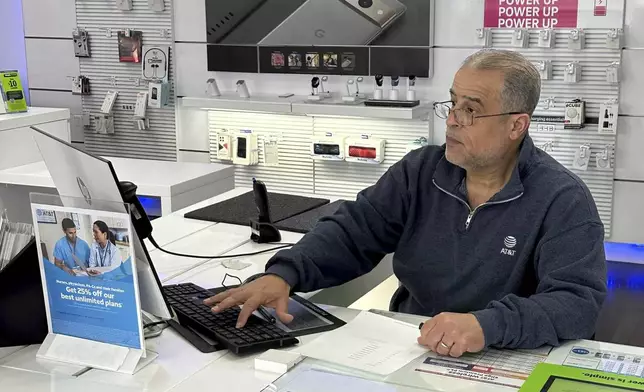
[68, 247]
[492, 237]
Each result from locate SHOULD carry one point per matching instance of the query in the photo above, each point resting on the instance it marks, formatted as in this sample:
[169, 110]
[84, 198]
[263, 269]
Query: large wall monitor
[344, 37]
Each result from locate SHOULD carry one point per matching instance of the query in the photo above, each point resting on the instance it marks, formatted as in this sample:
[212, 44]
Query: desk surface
[180, 367]
[153, 178]
[34, 116]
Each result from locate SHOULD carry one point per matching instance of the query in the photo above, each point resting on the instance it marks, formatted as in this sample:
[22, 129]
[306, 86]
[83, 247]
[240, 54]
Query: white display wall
[48, 68]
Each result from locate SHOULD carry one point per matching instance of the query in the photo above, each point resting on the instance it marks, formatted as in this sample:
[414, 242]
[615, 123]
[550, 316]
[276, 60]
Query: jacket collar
[451, 178]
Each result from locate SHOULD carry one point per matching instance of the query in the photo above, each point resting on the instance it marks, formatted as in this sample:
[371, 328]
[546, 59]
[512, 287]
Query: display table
[18, 146]
[164, 186]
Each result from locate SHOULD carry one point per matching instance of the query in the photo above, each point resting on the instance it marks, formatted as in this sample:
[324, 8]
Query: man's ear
[520, 126]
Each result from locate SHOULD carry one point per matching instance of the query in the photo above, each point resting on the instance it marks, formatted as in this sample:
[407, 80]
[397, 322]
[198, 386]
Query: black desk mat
[304, 222]
[241, 209]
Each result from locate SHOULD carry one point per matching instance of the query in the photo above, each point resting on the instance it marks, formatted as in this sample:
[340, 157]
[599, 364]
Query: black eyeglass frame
[450, 108]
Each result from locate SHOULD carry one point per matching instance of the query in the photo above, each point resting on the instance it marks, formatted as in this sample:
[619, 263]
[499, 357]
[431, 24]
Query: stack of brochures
[14, 237]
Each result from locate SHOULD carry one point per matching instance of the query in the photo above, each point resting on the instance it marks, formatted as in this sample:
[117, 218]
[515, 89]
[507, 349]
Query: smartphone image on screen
[336, 22]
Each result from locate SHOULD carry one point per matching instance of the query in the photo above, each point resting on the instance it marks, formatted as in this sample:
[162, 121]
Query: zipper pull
[469, 220]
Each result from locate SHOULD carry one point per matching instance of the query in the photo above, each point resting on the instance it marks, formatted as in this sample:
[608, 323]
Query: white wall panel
[628, 213]
[62, 99]
[632, 82]
[634, 24]
[599, 181]
[630, 145]
[190, 20]
[50, 62]
[157, 142]
[456, 23]
[192, 69]
[346, 179]
[295, 172]
[192, 130]
[49, 18]
[57, 99]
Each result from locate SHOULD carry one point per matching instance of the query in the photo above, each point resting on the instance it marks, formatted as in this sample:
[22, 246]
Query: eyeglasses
[463, 117]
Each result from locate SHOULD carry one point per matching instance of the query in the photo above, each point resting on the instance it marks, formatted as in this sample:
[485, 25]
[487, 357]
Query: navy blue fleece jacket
[529, 263]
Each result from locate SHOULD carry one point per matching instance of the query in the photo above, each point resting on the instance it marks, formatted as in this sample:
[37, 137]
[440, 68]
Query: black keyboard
[257, 335]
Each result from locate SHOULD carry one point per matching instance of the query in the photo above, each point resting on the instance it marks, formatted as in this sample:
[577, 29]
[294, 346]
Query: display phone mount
[315, 85]
[324, 91]
[377, 93]
[315, 89]
[411, 88]
[394, 92]
[263, 231]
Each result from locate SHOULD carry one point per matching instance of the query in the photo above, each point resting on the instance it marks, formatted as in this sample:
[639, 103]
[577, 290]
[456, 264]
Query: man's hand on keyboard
[270, 291]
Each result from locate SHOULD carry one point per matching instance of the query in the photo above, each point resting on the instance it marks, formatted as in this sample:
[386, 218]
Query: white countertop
[153, 178]
[34, 116]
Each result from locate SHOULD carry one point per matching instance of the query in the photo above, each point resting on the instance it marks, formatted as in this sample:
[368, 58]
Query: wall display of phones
[282, 29]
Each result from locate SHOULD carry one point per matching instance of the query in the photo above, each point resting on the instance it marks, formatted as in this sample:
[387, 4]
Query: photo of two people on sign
[81, 244]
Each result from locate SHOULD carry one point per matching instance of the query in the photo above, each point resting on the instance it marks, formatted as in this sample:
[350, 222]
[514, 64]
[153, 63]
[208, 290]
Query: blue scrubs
[63, 250]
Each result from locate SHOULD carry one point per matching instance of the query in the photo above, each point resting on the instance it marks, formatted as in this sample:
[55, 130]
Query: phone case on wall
[222, 16]
[335, 22]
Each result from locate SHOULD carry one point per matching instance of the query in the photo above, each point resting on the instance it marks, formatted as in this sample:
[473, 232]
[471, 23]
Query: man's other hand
[270, 291]
[453, 334]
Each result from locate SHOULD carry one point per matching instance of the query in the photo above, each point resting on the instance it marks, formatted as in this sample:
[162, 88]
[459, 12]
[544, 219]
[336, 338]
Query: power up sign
[531, 14]
[543, 14]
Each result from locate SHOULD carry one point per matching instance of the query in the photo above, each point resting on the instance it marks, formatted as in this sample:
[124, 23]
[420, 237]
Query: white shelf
[301, 105]
[34, 116]
[337, 107]
[271, 104]
[153, 178]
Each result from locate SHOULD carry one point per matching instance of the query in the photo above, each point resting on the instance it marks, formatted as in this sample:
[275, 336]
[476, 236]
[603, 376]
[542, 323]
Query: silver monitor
[87, 180]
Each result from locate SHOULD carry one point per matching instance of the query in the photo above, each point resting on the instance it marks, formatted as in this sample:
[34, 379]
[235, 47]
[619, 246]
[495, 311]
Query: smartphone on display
[336, 22]
[241, 147]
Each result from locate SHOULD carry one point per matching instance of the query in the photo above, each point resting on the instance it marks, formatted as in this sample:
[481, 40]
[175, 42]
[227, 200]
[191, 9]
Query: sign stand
[93, 354]
[90, 285]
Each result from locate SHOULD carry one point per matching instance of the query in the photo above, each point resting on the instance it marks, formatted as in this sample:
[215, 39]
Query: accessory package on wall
[302, 169]
[130, 52]
[348, 36]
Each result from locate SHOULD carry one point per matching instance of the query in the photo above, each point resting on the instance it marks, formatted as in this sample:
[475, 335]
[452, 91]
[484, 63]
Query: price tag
[11, 93]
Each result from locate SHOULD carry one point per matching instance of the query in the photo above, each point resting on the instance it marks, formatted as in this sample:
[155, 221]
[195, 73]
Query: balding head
[522, 81]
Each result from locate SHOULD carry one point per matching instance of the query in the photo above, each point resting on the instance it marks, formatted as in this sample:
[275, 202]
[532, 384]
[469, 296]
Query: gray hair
[522, 81]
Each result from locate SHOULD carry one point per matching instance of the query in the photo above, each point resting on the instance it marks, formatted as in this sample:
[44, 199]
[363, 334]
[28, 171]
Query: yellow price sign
[12, 93]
